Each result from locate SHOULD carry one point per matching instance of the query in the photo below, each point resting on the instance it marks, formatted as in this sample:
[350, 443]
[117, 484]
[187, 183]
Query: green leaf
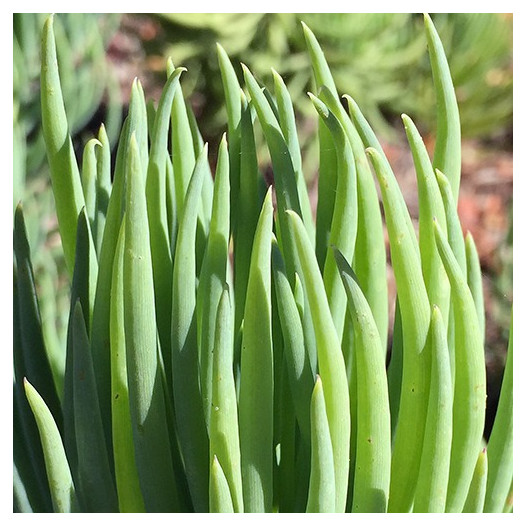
[369, 257]
[35, 360]
[103, 186]
[64, 171]
[477, 490]
[330, 358]
[58, 473]
[370, 141]
[89, 180]
[327, 173]
[256, 407]
[297, 360]
[500, 444]
[183, 154]
[469, 399]
[287, 122]
[284, 175]
[344, 222]
[147, 404]
[415, 314]
[158, 216]
[82, 289]
[322, 484]
[126, 475]
[474, 277]
[224, 429]
[213, 275]
[455, 234]
[220, 498]
[21, 502]
[430, 207]
[247, 207]
[189, 412]
[96, 486]
[431, 488]
[27, 449]
[100, 327]
[232, 91]
[373, 434]
[448, 144]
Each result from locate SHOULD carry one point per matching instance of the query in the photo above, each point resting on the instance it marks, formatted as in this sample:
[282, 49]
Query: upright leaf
[89, 180]
[330, 359]
[147, 405]
[58, 473]
[224, 429]
[373, 434]
[296, 357]
[247, 206]
[213, 276]
[477, 490]
[126, 476]
[83, 290]
[189, 411]
[103, 186]
[100, 328]
[369, 257]
[474, 277]
[344, 222]
[220, 498]
[415, 314]
[431, 488]
[448, 144]
[158, 216]
[183, 154]
[322, 485]
[36, 365]
[469, 397]
[232, 91]
[287, 123]
[256, 409]
[63, 166]
[500, 444]
[96, 486]
[430, 207]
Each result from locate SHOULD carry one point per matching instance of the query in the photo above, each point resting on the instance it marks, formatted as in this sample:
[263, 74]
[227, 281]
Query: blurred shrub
[90, 86]
[386, 78]
[88, 80]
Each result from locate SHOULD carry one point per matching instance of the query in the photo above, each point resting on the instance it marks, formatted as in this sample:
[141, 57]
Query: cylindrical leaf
[322, 485]
[96, 487]
[126, 476]
[220, 498]
[469, 399]
[500, 444]
[189, 412]
[256, 407]
[330, 359]
[431, 488]
[415, 313]
[373, 434]
[213, 276]
[224, 429]
[477, 490]
[58, 473]
[448, 145]
[147, 405]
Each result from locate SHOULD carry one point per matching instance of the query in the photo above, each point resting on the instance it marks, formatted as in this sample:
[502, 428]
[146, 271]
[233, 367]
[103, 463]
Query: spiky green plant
[226, 351]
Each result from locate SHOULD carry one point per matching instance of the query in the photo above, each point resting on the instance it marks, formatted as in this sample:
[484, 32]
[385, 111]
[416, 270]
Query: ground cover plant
[227, 349]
